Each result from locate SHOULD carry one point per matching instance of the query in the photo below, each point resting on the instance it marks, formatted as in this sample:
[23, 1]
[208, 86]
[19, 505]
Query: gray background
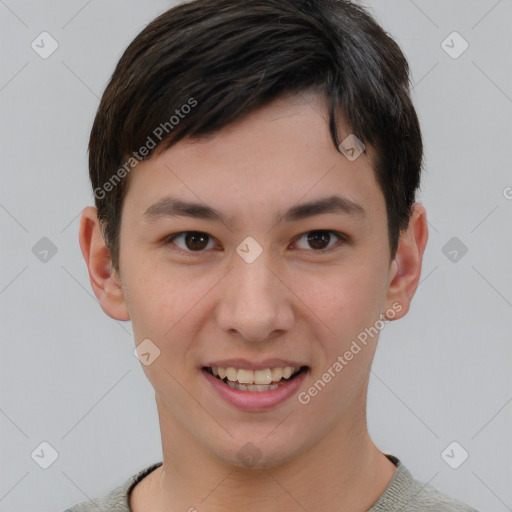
[68, 374]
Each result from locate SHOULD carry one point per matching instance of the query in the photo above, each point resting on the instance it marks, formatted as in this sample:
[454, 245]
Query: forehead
[277, 156]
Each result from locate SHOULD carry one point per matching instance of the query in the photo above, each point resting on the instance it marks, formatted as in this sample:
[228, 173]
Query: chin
[258, 454]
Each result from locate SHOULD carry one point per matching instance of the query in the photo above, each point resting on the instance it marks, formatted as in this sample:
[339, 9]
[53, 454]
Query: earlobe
[405, 270]
[104, 280]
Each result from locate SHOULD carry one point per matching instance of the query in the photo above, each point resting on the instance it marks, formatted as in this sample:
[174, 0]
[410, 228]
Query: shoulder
[114, 501]
[406, 494]
[426, 498]
[117, 500]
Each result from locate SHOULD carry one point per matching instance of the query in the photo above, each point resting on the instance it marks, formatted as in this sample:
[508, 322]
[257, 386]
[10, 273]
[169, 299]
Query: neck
[343, 471]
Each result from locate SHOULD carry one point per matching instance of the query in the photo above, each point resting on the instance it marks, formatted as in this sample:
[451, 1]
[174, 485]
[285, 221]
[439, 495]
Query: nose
[255, 302]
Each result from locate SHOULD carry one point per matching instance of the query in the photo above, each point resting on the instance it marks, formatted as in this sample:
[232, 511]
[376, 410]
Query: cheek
[163, 305]
[155, 309]
[350, 306]
[346, 299]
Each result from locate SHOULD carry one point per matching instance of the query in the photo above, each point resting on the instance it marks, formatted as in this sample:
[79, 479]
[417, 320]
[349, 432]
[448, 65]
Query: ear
[104, 280]
[405, 269]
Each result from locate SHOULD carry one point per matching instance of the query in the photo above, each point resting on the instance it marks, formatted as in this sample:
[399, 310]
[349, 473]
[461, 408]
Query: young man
[255, 167]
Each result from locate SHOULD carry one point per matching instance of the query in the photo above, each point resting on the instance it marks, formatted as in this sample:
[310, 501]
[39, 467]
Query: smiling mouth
[255, 380]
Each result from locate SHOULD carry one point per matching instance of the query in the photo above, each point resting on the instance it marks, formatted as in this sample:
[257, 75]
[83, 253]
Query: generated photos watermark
[368, 334]
[157, 135]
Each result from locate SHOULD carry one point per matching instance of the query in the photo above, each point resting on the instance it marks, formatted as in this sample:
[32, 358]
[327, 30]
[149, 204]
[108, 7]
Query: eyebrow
[174, 207]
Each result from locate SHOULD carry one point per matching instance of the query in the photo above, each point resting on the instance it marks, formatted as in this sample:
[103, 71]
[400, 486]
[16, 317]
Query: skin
[292, 302]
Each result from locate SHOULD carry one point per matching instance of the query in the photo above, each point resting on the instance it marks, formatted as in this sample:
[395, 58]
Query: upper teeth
[244, 376]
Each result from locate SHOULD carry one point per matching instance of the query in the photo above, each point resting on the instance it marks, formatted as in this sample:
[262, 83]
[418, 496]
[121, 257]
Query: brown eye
[319, 240]
[192, 241]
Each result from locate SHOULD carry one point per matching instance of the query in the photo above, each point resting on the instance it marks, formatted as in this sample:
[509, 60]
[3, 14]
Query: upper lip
[253, 365]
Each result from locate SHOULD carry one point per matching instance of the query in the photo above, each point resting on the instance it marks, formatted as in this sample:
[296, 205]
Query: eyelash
[341, 239]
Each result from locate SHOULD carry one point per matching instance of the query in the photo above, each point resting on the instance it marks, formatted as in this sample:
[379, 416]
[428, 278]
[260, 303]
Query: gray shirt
[403, 494]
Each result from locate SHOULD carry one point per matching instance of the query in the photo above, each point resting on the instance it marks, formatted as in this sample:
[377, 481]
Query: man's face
[211, 299]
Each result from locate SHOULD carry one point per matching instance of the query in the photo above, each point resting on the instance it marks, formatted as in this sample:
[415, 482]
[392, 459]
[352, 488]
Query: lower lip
[255, 401]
